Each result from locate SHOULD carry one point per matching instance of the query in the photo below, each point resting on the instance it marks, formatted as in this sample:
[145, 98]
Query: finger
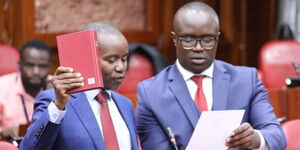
[242, 128]
[70, 80]
[241, 142]
[66, 76]
[61, 70]
[67, 80]
[65, 87]
[247, 145]
[249, 131]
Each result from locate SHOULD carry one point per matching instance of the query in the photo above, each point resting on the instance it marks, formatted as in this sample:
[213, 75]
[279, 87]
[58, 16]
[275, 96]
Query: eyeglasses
[207, 42]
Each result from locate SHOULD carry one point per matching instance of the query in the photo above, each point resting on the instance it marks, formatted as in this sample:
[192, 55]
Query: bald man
[197, 82]
[79, 121]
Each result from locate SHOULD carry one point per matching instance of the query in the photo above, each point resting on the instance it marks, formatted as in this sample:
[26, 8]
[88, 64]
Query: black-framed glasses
[207, 42]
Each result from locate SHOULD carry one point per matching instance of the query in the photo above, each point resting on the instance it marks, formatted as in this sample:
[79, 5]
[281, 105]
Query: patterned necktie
[110, 138]
[200, 99]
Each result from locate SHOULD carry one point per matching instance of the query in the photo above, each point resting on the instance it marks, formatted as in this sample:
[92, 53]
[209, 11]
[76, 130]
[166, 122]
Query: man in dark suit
[68, 122]
[176, 96]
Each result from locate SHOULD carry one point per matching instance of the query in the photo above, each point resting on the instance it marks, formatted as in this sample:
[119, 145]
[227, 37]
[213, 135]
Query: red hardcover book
[80, 51]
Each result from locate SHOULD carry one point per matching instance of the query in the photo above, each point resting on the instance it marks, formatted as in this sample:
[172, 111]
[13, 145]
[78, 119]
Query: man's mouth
[198, 60]
[119, 78]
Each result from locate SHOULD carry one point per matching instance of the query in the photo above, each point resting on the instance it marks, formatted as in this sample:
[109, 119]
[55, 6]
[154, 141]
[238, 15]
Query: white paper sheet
[213, 128]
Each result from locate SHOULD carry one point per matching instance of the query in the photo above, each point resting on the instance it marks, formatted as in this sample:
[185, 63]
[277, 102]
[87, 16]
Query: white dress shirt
[120, 126]
[208, 91]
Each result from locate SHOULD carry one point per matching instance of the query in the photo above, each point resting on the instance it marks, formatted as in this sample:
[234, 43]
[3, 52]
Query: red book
[80, 51]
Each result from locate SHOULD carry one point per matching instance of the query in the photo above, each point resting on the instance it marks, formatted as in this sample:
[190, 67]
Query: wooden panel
[25, 29]
[279, 102]
[6, 22]
[232, 44]
[293, 99]
[245, 26]
[261, 27]
[286, 102]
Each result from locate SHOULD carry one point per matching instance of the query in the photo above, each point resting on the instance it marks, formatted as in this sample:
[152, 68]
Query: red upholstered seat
[292, 132]
[7, 146]
[9, 58]
[139, 69]
[275, 62]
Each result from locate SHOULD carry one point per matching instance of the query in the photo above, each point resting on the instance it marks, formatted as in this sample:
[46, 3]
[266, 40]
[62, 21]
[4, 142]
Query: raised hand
[63, 80]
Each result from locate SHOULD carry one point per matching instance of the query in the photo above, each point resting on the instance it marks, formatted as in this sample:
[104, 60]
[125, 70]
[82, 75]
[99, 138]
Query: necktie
[200, 97]
[110, 138]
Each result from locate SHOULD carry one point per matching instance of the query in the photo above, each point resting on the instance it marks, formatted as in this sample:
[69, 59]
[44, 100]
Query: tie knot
[102, 97]
[198, 79]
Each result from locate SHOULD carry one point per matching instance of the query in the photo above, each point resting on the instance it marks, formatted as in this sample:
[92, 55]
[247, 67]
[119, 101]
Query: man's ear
[173, 37]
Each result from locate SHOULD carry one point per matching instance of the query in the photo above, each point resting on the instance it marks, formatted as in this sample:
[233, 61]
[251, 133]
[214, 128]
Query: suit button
[37, 135]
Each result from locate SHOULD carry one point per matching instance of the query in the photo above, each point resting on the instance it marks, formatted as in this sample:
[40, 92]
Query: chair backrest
[9, 58]
[275, 62]
[139, 69]
[292, 132]
[7, 146]
[144, 62]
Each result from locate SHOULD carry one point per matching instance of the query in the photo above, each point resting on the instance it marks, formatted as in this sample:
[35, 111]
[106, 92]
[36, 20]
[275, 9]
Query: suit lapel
[220, 87]
[180, 90]
[84, 112]
[127, 116]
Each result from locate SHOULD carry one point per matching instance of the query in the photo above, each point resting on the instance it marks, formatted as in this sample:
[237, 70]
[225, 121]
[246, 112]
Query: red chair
[275, 62]
[292, 132]
[144, 62]
[7, 146]
[9, 58]
[139, 69]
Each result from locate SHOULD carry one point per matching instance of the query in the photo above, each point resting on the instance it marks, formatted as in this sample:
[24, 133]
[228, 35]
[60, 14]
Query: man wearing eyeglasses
[197, 82]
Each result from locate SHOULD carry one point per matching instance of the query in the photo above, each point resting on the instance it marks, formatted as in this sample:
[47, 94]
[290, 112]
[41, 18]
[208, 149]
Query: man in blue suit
[174, 98]
[72, 122]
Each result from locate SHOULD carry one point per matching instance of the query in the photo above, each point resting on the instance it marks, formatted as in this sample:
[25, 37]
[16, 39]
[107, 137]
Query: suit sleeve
[42, 133]
[151, 133]
[263, 118]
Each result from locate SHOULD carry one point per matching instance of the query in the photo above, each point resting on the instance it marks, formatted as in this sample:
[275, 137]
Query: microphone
[293, 81]
[172, 138]
[296, 68]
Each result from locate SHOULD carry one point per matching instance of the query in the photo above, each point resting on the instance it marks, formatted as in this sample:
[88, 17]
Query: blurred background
[245, 24]
[264, 34]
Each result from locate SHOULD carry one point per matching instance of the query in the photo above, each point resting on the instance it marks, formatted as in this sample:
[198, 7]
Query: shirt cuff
[263, 144]
[55, 115]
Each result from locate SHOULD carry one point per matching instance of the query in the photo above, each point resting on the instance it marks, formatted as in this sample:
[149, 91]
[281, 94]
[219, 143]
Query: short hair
[102, 28]
[197, 6]
[37, 44]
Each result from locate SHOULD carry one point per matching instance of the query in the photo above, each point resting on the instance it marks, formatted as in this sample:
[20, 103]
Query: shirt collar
[91, 94]
[188, 74]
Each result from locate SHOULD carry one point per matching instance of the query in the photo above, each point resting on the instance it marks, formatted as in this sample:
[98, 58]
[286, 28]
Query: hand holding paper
[213, 128]
[244, 137]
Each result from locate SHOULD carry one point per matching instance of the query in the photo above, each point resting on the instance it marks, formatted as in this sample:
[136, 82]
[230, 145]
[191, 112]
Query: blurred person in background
[18, 90]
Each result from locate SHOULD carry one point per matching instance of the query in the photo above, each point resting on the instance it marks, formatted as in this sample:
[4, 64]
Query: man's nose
[198, 47]
[36, 69]
[121, 66]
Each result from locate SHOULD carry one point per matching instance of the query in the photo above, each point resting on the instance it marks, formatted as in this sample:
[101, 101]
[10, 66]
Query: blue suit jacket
[164, 101]
[78, 130]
